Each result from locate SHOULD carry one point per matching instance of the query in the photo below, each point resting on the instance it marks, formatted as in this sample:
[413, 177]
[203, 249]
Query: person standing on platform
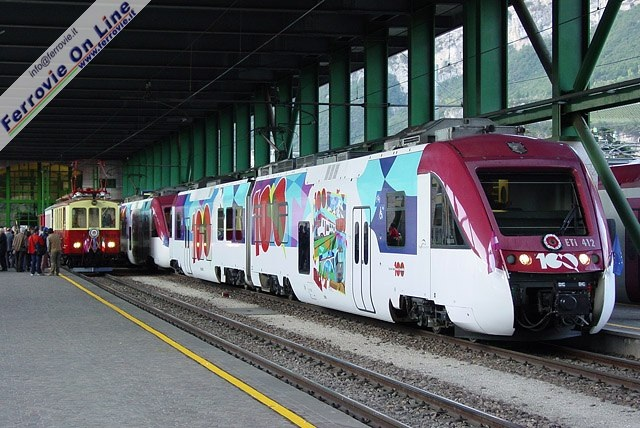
[10, 258]
[54, 244]
[3, 249]
[44, 263]
[36, 248]
[19, 249]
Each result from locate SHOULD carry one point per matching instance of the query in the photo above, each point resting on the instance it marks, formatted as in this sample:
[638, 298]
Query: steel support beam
[261, 148]
[226, 141]
[211, 129]
[174, 143]
[199, 154]
[166, 160]
[309, 111]
[376, 69]
[470, 67]
[533, 33]
[421, 66]
[597, 44]
[243, 136]
[157, 162]
[339, 94]
[570, 40]
[285, 118]
[150, 169]
[186, 155]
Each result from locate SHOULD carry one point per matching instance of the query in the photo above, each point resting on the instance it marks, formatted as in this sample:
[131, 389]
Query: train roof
[504, 146]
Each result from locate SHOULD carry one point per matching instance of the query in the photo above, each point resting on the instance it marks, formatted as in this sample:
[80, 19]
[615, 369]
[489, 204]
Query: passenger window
[304, 247]
[444, 226]
[396, 224]
[220, 224]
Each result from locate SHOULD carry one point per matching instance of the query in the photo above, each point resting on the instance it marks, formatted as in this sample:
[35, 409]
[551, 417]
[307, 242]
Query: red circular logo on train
[551, 242]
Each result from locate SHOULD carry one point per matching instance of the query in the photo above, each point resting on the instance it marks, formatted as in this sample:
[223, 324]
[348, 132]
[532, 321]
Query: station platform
[73, 355]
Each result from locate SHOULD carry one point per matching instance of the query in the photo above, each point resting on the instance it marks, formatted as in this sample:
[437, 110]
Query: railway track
[610, 370]
[397, 394]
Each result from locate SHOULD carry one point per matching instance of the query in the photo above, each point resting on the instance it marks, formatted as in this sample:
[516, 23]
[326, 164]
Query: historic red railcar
[89, 225]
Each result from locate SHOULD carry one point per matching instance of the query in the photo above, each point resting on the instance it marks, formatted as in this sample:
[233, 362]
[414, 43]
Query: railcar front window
[534, 203]
[79, 217]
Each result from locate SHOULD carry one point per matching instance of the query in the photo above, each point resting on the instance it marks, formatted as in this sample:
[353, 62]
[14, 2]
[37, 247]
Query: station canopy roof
[179, 61]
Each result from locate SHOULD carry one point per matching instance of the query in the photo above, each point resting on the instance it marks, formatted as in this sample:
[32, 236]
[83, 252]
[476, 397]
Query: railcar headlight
[77, 245]
[525, 259]
[511, 259]
[595, 258]
[584, 259]
[111, 244]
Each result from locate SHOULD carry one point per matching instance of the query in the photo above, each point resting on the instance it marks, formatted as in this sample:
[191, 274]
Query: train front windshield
[526, 204]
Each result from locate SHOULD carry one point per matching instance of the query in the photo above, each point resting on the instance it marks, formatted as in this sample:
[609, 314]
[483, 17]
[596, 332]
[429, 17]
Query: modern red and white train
[88, 224]
[628, 282]
[500, 236]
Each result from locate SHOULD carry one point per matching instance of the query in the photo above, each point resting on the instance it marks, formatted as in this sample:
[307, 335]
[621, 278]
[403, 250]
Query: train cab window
[445, 231]
[534, 203]
[79, 217]
[304, 247]
[395, 209]
[220, 224]
[94, 217]
[108, 217]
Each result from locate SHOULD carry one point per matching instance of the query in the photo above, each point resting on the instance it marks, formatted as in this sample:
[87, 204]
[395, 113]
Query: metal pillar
[570, 39]
[285, 119]
[376, 70]
[198, 150]
[158, 166]
[596, 45]
[339, 94]
[174, 144]
[485, 52]
[186, 156]
[422, 66]
[166, 160]
[470, 72]
[226, 141]
[149, 169]
[261, 148]
[309, 111]
[211, 146]
[243, 146]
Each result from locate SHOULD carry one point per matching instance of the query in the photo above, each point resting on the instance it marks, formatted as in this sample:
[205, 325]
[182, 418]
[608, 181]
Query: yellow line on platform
[273, 405]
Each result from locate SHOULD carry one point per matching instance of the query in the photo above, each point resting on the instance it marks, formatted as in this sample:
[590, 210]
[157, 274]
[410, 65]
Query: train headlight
[584, 259]
[595, 258]
[525, 259]
[111, 244]
[77, 245]
[511, 259]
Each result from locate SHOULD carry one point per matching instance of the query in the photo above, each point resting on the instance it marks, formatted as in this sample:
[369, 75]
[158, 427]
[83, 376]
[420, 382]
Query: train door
[632, 260]
[187, 255]
[361, 259]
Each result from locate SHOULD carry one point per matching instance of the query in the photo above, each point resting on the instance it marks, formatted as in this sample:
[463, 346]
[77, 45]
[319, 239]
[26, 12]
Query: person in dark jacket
[3, 249]
[20, 249]
[10, 257]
